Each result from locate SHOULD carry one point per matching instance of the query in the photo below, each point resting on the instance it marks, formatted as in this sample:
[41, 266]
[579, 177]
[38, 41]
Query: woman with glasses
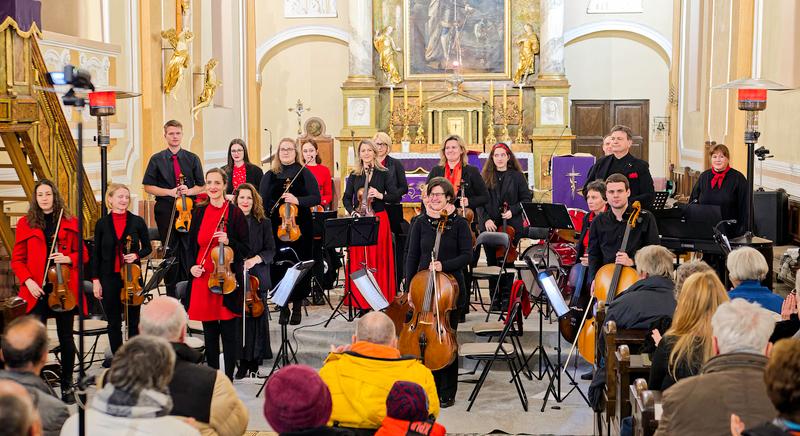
[303, 193]
[239, 168]
[394, 208]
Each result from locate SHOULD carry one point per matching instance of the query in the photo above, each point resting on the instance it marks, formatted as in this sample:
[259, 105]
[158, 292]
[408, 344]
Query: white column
[551, 38]
[360, 38]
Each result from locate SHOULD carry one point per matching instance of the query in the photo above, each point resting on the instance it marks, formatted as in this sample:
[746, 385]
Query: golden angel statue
[209, 88]
[528, 48]
[180, 57]
[386, 48]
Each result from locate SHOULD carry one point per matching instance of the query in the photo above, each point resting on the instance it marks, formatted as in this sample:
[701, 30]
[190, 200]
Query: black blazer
[636, 170]
[253, 176]
[107, 247]
[474, 186]
[394, 209]
[262, 243]
[238, 240]
[380, 180]
[160, 171]
[514, 190]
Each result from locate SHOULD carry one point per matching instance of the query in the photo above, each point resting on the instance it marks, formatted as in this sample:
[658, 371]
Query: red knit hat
[407, 401]
[296, 398]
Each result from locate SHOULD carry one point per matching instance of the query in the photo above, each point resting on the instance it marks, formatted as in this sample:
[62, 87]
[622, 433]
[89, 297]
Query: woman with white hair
[746, 269]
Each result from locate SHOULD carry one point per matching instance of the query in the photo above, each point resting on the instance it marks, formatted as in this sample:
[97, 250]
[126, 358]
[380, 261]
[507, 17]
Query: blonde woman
[110, 236]
[687, 345]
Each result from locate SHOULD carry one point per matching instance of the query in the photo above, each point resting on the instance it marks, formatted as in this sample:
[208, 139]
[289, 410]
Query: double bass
[131, 292]
[61, 298]
[428, 334]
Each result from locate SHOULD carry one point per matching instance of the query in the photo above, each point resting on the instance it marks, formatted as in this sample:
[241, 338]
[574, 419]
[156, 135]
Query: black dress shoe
[444, 403]
[587, 375]
[68, 395]
[242, 371]
[297, 316]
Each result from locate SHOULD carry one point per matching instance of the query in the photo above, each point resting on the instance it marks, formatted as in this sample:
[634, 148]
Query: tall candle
[505, 97]
[405, 97]
[520, 99]
[391, 99]
[420, 94]
[491, 93]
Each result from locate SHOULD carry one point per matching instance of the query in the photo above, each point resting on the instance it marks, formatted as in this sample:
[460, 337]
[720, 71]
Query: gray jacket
[52, 410]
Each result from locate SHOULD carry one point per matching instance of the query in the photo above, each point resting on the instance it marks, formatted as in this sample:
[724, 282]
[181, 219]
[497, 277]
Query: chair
[93, 328]
[613, 339]
[489, 352]
[491, 241]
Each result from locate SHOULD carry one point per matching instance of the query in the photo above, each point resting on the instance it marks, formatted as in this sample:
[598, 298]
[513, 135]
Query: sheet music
[553, 294]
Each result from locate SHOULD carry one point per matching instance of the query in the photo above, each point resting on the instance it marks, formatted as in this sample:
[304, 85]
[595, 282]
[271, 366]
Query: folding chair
[490, 241]
[92, 328]
[489, 352]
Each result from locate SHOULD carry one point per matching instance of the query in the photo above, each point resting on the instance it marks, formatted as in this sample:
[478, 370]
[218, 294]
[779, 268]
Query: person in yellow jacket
[361, 375]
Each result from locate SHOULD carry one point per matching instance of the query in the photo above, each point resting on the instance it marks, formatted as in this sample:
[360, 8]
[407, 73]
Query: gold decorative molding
[11, 23]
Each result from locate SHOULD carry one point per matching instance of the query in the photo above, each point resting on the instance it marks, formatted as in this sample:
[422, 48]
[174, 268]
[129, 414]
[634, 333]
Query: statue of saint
[528, 47]
[386, 48]
[209, 88]
[180, 57]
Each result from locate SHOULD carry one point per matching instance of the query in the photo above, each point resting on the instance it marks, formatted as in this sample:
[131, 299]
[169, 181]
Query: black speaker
[771, 215]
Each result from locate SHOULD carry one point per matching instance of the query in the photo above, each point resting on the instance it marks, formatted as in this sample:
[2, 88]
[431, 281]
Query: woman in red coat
[34, 239]
[219, 313]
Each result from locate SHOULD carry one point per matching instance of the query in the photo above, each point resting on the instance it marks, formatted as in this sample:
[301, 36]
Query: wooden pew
[613, 339]
[629, 367]
[643, 410]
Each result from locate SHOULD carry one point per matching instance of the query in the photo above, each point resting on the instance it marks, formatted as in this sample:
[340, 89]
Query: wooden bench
[629, 367]
[613, 339]
[644, 403]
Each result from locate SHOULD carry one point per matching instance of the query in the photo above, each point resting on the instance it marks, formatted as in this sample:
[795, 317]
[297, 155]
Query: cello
[131, 292]
[428, 334]
[610, 280]
[184, 208]
[61, 298]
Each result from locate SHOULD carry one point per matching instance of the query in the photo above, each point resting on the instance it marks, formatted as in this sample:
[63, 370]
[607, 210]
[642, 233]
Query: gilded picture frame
[481, 28]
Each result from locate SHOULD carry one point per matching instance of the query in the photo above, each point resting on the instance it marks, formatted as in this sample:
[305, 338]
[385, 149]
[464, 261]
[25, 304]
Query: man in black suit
[622, 162]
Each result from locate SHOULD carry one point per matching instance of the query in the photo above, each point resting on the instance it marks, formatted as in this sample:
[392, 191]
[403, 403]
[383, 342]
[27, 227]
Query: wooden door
[593, 119]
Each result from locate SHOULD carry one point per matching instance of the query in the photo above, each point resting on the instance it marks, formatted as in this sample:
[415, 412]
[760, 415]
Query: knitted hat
[407, 401]
[296, 398]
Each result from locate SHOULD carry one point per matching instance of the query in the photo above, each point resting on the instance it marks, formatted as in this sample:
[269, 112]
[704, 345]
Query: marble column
[551, 38]
[360, 41]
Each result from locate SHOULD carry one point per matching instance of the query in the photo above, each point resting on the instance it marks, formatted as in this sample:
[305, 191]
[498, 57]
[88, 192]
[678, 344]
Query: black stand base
[554, 386]
[286, 354]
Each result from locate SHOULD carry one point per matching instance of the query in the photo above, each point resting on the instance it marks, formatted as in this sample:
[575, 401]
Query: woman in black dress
[239, 168]
[262, 246]
[304, 193]
[455, 252]
[725, 187]
[109, 256]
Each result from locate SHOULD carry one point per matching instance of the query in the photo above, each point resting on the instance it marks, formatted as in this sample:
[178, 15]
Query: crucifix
[299, 109]
[573, 185]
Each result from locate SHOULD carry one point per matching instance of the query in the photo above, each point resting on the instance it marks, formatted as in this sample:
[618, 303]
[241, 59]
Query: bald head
[377, 328]
[24, 344]
[18, 415]
[165, 318]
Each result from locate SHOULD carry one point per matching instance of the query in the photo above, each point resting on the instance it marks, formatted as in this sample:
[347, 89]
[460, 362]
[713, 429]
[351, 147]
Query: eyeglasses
[382, 144]
[436, 194]
[285, 150]
[234, 150]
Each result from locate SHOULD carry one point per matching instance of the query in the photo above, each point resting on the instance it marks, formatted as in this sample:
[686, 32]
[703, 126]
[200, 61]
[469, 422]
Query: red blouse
[323, 176]
[205, 305]
[239, 176]
[119, 220]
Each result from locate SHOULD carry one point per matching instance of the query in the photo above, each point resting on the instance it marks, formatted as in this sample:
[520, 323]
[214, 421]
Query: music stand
[660, 200]
[280, 296]
[345, 233]
[318, 223]
[158, 274]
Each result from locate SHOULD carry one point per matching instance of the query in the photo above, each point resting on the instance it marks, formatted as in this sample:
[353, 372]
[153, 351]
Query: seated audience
[687, 345]
[407, 413]
[18, 416]
[297, 402]
[730, 382]
[746, 269]
[686, 269]
[135, 398]
[782, 377]
[361, 375]
[24, 351]
[197, 391]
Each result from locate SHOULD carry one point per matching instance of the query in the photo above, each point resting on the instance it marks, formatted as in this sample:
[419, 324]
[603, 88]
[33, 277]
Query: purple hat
[296, 398]
[407, 401]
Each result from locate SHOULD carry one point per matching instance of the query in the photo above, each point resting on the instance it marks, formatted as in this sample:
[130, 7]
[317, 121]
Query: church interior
[544, 80]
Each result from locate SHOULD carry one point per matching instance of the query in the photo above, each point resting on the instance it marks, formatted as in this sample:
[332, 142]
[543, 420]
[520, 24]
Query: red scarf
[454, 175]
[716, 181]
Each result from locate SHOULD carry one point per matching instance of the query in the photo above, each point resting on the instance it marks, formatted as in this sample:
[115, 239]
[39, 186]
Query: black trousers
[230, 331]
[115, 311]
[446, 379]
[64, 323]
[162, 212]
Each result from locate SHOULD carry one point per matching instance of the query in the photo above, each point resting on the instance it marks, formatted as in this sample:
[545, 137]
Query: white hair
[376, 328]
[741, 326]
[747, 263]
[163, 317]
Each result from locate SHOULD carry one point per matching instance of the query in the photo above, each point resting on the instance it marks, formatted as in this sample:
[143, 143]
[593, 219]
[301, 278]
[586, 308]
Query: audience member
[746, 269]
[361, 375]
[197, 391]
[18, 416]
[297, 402]
[135, 398]
[24, 351]
[407, 413]
[687, 345]
[686, 269]
[730, 382]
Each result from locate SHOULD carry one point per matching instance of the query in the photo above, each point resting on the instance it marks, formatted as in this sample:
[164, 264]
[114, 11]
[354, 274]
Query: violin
[253, 305]
[288, 231]
[364, 207]
[512, 248]
[428, 334]
[222, 280]
[184, 208]
[61, 298]
[131, 292]
[467, 213]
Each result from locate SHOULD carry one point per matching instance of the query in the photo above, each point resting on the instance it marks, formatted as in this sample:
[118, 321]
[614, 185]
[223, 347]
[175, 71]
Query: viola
[512, 248]
[428, 334]
[364, 207]
[184, 208]
[288, 231]
[222, 280]
[131, 292]
[253, 305]
[61, 298]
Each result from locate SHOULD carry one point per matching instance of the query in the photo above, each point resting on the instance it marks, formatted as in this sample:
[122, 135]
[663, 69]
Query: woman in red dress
[219, 313]
[34, 239]
[380, 257]
[322, 173]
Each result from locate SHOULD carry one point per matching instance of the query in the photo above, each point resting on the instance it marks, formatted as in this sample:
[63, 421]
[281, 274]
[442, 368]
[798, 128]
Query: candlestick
[420, 95]
[520, 99]
[491, 93]
[405, 97]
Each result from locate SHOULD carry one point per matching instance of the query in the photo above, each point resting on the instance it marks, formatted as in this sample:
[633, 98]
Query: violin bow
[53, 246]
[277, 203]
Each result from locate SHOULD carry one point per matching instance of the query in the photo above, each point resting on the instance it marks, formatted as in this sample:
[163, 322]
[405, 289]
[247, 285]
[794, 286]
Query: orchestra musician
[262, 248]
[725, 187]
[108, 257]
[304, 193]
[596, 200]
[607, 230]
[214, 222]
[394, 207]
[455, 252]
[622, 161]
[239, 168]
[310, 150]
[35, 236]
[380, 257]
[162, 179]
